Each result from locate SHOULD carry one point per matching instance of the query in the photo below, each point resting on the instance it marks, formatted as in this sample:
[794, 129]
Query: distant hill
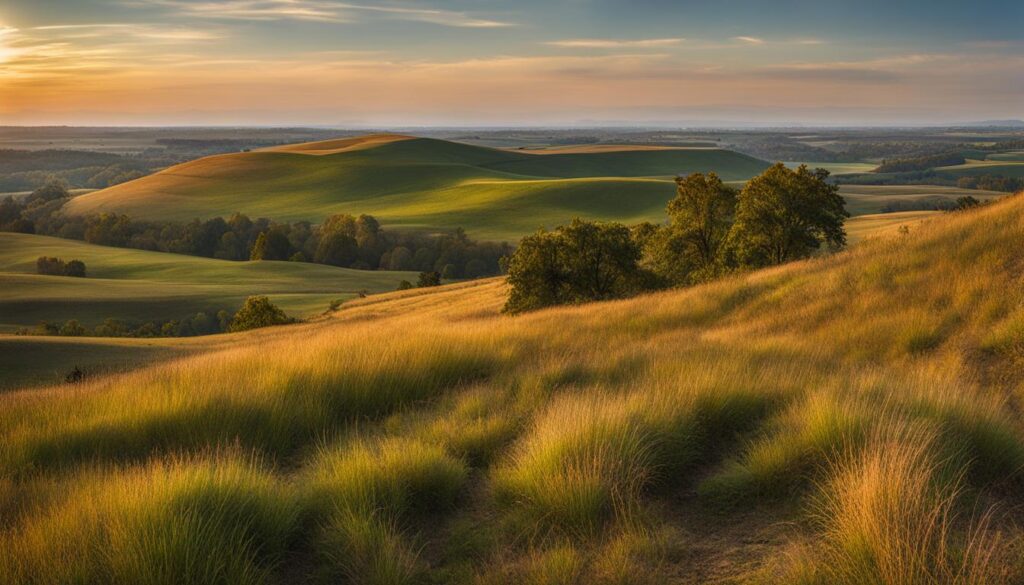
[141, 286]
[420, 183]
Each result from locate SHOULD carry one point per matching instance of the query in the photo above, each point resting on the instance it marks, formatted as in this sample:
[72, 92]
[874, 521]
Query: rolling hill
[141, 286]
[419, 183]
[849, 419]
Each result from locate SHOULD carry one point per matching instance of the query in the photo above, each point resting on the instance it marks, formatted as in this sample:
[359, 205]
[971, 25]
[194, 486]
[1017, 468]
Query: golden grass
[870, 398]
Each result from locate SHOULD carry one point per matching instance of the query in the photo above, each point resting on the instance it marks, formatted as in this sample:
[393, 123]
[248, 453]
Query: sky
[400, 63]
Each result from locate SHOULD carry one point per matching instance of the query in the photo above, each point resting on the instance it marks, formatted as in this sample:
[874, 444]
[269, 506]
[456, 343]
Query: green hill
[140, 286]
[418, 183]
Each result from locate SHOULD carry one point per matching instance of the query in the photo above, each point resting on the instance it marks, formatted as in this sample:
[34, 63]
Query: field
[846, 420]
[999, 167]
[862, 227]
[871, 199]
[141, 286]
[419, 183]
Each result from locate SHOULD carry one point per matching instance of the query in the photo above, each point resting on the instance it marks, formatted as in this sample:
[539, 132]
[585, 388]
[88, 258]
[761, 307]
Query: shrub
[57, 267]
[581, 262]
[258, 312]
[429, 279]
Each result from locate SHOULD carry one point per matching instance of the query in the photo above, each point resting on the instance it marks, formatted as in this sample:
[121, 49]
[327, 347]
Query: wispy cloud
[307, 10]
[614, 43]
[132, 30]
[431, 15]
[317, 11]
[750, 40]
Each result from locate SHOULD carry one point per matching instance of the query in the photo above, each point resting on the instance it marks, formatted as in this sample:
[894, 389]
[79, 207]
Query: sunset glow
[523, 63]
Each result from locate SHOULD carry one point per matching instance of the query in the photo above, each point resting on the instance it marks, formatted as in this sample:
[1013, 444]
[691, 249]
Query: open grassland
[998, 167]
[141, 286]
[417, 183]
[846, 420]
[863, 227]
[871, 199]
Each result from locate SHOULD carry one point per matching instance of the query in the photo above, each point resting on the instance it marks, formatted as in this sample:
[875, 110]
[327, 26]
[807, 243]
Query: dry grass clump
[891, 514]
[365, 491]
[210, 519]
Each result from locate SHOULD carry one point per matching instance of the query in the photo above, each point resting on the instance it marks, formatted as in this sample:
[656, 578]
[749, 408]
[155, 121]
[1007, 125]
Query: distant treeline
[933, 177]
[341, 240]
[921, 163]
[256, 312]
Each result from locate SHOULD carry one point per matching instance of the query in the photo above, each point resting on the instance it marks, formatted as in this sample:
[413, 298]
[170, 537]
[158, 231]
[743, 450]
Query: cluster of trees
[921, 163]
[256, 312]
[57, 267]
[341, 240]
[779, 216]
[991, 183]
[24, 170]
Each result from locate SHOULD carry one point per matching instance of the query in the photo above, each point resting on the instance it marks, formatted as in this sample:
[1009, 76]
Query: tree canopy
[785, 214]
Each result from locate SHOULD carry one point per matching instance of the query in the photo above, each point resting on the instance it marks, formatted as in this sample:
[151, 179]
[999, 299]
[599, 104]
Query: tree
[581, 262]
[258, 311]
[429, 279]
[404, 285]
[72, 328]
[700, 217]
[337, 249]
[75, 268]
[786, 214]
[50, 266]
[400, 259]
[271, 245]
[966, 202]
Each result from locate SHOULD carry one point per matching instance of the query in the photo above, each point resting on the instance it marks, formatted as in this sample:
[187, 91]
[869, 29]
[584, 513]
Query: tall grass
[213, 519]
[890, 515]
[537, 442]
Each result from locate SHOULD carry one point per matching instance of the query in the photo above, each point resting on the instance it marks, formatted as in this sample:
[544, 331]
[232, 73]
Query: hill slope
[842, 420]
[141, 286]
[416, 182]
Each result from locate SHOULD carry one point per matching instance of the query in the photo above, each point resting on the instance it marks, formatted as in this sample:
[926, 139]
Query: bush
[429, 279]
[258, 312]
[581, 262]
[57, 267]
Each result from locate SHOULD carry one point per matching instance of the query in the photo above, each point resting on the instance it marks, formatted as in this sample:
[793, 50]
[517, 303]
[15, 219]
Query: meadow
[848, 419]
[419, 183]
[140, 286]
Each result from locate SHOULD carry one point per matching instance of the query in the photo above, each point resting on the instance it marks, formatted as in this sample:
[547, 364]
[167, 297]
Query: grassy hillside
[417, 182]
[847, 420]
[871, 199]
[140, 286]
[999, 167]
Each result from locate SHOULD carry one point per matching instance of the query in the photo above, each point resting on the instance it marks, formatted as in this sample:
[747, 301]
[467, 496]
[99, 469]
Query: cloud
[749, 40]
[132, 30]
[433, 16]
[614, 43]
[317, 11]
[307, 10]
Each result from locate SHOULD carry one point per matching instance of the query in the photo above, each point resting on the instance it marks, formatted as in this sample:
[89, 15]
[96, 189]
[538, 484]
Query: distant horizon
[476, 63]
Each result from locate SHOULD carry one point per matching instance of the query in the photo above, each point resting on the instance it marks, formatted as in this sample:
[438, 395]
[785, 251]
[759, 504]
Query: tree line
[256, 312]
[712, 229]
[340, 240]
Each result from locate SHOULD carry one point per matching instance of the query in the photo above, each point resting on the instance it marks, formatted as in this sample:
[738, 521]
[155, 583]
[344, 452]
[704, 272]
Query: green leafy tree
[581, 262]
[700, 217]
[429, 279]
[75, 268]
[785, 215]
[72, 328]
[256, 312]
[404, 285]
